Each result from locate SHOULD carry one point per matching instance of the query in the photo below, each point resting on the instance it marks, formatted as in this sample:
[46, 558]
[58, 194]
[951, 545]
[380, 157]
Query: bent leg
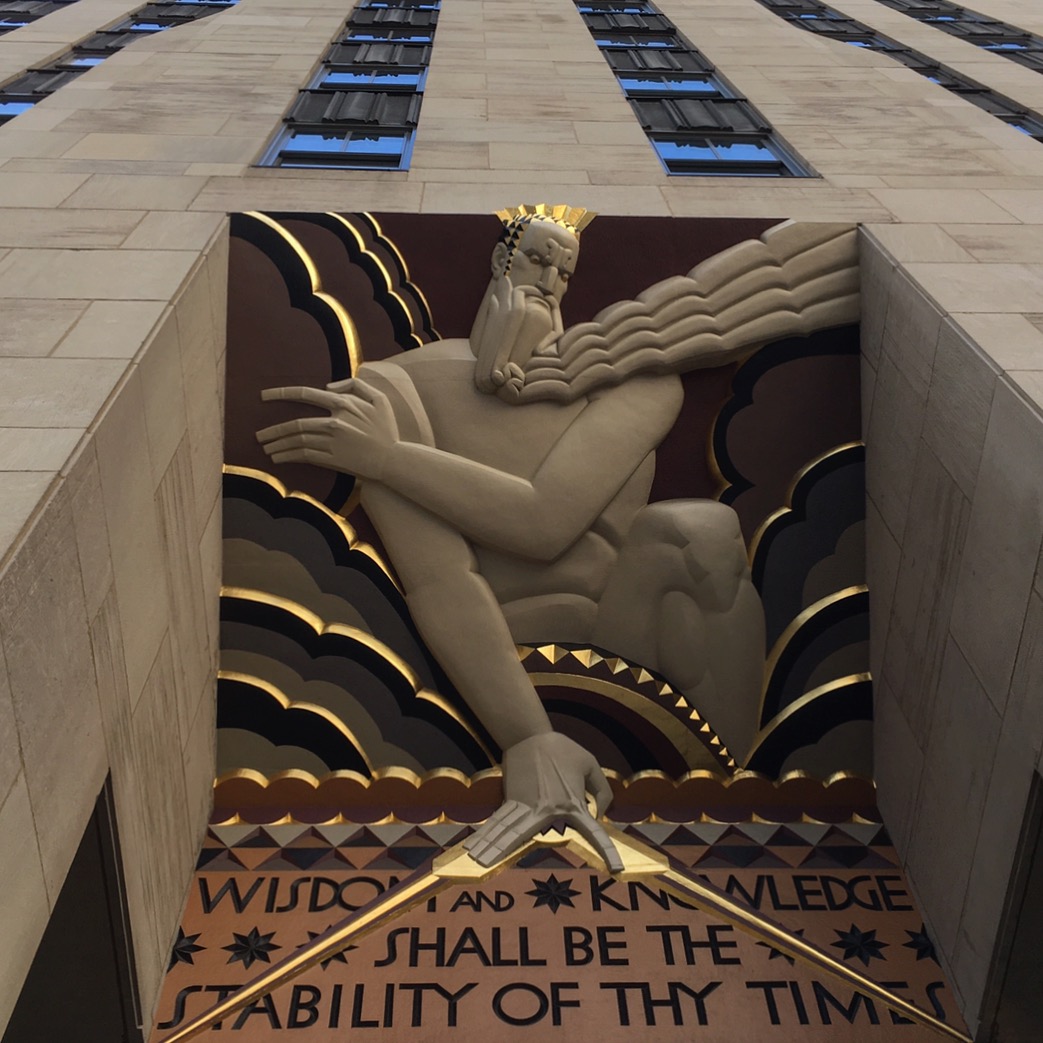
[680, 601]
[457, 615]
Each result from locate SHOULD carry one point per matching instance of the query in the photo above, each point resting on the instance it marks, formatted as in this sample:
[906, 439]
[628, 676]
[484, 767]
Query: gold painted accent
[762, 529]
[552, 653]
[289, 704]
[321, 627]
[351, 336]
[680, 736]
[709, 899]
[403, 773]
[640, 861]
[798, 704]
[794, 625]
[392, 658]
[572, 218]
[388, 281]
[350, 535]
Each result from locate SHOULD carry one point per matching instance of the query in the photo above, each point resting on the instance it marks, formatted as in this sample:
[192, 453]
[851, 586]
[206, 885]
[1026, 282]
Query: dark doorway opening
[81, 986]
[1013, 1007]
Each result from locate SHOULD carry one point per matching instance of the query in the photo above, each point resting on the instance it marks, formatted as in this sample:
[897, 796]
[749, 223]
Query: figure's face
[545, 258]
[521, 309]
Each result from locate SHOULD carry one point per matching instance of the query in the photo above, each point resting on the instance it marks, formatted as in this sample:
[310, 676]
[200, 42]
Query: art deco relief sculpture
[508, 475]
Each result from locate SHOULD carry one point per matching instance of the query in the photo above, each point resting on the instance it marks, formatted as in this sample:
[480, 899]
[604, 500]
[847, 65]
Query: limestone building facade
[114, 196]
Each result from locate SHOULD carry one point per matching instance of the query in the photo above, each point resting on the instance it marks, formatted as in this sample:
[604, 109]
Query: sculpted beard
[513, 324]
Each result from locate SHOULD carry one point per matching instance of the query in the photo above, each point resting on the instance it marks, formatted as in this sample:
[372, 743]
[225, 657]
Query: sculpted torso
[468, 423]
[513, 520]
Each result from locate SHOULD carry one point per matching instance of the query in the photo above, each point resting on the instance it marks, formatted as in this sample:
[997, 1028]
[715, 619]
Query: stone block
[111, 329]
[897, 765]
[56, 392]
[92, 532]
[23, 904]
[957, 761]
[94, 274]
[134, 531]
[32, 328]
[932, 544]
[44, 630]
[893, 443]
[37, 449]
[959, 404]
[189, 639]
[1003, 541]
[911, 330]
[877, 271]
[163, 393]
[24, 491]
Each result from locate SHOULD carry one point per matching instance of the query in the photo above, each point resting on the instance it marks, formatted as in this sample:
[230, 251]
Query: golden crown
[572, 218]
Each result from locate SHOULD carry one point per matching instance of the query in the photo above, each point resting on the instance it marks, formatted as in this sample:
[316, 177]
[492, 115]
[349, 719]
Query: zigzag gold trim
[589, 658]
[680, 737]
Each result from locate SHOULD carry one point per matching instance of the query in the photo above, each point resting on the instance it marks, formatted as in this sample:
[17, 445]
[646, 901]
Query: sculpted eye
[535, 257]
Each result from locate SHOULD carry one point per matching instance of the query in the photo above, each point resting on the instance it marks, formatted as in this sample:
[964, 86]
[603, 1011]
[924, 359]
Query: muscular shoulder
[664, 393]
[420, 359]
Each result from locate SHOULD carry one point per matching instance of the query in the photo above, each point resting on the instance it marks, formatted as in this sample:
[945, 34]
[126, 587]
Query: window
[811, 15]
[34, 85]
[361, 110]
[696, 122]
[990, 34]
[16, 13]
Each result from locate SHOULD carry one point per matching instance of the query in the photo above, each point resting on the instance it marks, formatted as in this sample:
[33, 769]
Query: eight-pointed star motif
[553, 893]
[776, 953]
[339, 957]
[251, 947]
[184, 949]
[923, 945]
[859, 945]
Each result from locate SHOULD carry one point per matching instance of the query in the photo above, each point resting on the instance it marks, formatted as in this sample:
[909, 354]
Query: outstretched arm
[536, 518]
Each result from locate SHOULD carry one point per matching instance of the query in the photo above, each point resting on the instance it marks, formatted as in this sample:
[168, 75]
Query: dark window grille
[28, 88]
[811, 16]
[16, 13]
[360, 111]
[697, 122]
[990, 34]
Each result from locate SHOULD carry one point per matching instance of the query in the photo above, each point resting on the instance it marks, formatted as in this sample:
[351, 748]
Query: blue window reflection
[667, 84]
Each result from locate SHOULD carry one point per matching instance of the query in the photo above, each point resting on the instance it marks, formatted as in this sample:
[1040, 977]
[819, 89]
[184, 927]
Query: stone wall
[955, 513]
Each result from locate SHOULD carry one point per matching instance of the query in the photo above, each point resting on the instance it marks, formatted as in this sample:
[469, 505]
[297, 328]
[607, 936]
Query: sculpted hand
[355, 438]
[546, 778]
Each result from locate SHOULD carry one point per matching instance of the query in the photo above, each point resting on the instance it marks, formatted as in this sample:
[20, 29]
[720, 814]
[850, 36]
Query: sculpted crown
[572, 218]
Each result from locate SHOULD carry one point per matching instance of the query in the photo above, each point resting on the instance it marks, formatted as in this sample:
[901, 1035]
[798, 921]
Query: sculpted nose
[548, 279]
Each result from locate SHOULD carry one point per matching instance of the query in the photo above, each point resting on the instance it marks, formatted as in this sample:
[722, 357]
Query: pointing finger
[298, 441]
[291, 427]
[309, 396]
[302, 456]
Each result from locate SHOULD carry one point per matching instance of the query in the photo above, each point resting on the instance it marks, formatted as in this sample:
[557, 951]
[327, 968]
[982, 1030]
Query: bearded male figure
[508, 476]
